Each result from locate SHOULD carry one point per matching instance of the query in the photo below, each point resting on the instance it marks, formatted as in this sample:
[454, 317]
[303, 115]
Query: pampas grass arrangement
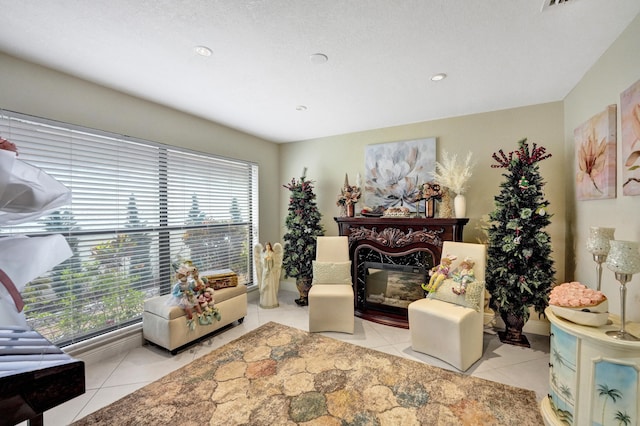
[453, 174]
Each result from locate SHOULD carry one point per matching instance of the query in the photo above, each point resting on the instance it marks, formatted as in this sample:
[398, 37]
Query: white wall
[39, 91]
[614, 72]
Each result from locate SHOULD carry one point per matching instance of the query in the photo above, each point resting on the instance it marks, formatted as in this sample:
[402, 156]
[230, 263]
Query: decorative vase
[460, 205]
[512, 334]
[444, 209]
[429, 207]
[303, 284]
[351, 210]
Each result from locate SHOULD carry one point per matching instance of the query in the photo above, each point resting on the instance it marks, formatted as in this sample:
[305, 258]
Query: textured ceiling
[497, 54]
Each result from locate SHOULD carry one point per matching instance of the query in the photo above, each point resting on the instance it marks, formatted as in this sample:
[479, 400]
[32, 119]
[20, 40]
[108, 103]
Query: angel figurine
[268, 264]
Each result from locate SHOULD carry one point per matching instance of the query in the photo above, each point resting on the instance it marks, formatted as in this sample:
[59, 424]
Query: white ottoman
[449, 332]
[166, 326]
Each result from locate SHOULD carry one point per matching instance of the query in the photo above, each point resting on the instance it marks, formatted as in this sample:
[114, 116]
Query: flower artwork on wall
[630, 110]
[595, 142]
[394, 172]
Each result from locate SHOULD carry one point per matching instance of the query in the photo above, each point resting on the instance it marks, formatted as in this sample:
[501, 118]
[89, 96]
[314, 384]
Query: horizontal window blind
[138, 210]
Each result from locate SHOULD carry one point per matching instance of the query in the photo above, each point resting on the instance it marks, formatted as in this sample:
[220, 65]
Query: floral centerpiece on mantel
[454, 176]
[349, 196]
[430, 192]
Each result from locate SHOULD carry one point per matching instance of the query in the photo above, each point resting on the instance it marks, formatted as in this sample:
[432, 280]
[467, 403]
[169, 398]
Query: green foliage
[234, 211]
[94, 296]
[238, 240]
[520, 270]
[208, 245]
[213, 245]
[140, 247]
[303, 227]
[63, 222]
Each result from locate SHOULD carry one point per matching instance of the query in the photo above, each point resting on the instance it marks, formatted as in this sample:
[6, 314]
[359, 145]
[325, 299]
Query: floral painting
[630, 106]
[395, 171]
[595, 142]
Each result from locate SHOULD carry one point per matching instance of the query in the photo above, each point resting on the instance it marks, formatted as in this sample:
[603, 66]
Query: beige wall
[39, 91]
[328, 159]
[614, 72]
[35, 90]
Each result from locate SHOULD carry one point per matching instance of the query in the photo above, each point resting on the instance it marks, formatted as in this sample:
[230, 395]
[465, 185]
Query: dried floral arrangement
[349, 194]
[429, 191]
[453, 175]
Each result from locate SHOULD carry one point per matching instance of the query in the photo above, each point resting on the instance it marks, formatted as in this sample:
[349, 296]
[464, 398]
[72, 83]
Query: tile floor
[110, 380]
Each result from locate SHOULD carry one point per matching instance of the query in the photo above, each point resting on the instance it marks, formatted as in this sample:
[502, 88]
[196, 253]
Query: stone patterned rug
[278, 375]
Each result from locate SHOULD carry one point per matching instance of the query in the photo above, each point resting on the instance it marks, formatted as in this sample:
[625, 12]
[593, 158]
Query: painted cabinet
[593, 378]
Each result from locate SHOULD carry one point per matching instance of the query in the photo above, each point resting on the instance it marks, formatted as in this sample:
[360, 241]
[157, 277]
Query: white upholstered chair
[331, 302]
[447, 326]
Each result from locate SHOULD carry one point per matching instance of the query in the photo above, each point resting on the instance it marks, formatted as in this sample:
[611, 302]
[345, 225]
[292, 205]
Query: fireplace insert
[390, 287]
[387, 283]
[414, 242]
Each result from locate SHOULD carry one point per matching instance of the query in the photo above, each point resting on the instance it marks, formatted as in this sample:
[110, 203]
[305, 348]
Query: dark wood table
[35, 376]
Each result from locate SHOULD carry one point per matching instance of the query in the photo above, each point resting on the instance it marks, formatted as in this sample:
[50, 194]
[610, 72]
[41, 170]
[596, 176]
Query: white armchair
[331, 300]
[450, 326]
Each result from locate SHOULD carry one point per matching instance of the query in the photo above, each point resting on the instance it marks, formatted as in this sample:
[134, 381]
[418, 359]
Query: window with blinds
[138, 210]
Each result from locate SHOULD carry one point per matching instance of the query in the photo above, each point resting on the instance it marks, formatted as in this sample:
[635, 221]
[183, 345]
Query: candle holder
[624, 260]
[598, 246]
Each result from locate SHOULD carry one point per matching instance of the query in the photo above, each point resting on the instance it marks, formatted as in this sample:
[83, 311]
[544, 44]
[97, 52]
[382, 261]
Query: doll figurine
[198, 283]
[183, 292]
[463, 276]
[439, 273]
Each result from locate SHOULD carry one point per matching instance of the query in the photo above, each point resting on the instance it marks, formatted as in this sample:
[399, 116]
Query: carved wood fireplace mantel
[397, 242]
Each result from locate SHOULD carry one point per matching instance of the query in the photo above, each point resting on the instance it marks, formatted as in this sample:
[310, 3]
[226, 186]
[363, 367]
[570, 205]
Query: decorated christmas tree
[520, 270]
[303, 227]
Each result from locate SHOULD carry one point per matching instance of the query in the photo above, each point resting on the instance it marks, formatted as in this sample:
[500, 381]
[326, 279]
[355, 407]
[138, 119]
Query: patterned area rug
[278, 375]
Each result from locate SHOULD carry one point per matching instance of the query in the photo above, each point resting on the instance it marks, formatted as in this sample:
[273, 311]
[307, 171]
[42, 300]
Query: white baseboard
[540, 326]
[288, 285]
[108, 345]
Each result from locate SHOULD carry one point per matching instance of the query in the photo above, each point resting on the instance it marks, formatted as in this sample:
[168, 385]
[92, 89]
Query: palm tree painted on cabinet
[563, 374]
[615, 393]
[623, 418]
[554, 379]
[606, 393]
[565, 391]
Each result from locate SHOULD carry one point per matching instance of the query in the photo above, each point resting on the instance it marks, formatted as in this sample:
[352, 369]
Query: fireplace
[390, 258]
[390, 287]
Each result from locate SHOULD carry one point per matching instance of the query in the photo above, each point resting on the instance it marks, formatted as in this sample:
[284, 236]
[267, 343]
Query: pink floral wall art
[595, 142]
[630, 124]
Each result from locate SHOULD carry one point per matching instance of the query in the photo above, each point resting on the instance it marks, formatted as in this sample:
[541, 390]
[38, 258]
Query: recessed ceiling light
[301, 108]
[438, 77]
[318, 58]
[203, 50]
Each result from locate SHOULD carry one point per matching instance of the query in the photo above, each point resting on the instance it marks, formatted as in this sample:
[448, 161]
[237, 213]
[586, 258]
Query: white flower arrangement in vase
[455, 176]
